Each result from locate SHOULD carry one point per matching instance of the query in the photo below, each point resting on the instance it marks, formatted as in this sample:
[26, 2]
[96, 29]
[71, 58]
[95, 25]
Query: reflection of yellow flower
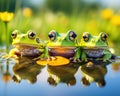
[6, 77]
[0, 15]
[27, 12]
[6, 16]
[116, 20]
[107, 13]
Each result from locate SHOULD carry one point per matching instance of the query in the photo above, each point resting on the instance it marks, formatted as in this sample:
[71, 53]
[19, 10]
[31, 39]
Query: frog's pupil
[84, 37]
[74, 35]
[50, 35]
[32, 34]
[105, 36]
[13, 34]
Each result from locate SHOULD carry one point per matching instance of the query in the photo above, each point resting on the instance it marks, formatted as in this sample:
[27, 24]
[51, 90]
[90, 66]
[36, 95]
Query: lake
[26, 78]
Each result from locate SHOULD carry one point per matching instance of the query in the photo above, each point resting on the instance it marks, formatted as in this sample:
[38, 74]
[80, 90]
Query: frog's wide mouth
[23, 45]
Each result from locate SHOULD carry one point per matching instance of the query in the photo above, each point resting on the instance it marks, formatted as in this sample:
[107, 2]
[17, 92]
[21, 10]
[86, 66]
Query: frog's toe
[107, 60]
[51, 58]
[71, 59]
[76, 60]
[86, 60]
[5, 56]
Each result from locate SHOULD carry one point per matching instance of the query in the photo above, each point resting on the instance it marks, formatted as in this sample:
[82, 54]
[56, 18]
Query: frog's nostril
[23, 36]
[93, 40]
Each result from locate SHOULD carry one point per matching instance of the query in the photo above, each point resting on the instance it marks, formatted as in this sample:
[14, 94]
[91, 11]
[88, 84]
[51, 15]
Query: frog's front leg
[83, 56]
[76, 58]
[45, 54]
[14, 53]
[107, 55]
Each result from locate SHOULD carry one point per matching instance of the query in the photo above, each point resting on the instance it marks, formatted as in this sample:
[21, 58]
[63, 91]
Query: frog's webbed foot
[107, 56]
[7, 56]
[107, 60]
[75, 60]
[51, 58]
[85, 60]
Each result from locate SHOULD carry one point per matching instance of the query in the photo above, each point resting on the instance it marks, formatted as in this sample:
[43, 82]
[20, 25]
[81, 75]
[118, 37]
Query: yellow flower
[27, 12]
[0, 15]
[6, 16]
[115, 20]
[107, 14]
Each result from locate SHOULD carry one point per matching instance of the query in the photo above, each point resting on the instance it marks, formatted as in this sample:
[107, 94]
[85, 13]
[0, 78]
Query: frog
[95, 47]
[27, 44]
[64, 44]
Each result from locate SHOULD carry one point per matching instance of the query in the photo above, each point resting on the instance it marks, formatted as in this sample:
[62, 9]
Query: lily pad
[59, 60]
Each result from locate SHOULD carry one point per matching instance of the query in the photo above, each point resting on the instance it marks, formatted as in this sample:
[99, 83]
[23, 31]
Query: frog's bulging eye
[52, 35]
[14, 34]
[104, 36]
[31, 35]
[86, 36]
[72, 35]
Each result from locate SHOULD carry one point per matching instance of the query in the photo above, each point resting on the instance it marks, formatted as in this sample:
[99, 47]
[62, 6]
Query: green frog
[95, 47]
[63, 44]
[28, 44]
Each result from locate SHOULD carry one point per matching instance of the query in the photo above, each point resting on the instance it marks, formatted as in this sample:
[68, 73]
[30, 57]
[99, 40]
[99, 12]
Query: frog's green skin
[64, 44]
[95, 47]
[95, 73]
[27, 45]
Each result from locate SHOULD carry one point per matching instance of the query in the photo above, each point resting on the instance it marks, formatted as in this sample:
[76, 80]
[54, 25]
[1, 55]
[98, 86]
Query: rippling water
[26, 78]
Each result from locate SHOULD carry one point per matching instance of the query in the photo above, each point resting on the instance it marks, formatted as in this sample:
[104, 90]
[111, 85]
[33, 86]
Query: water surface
[27, 78]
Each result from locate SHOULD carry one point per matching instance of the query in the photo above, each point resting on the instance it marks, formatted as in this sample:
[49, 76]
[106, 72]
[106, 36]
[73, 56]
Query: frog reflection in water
[62, 74]
[27, 45]
[93, 73]
[64, 44]
[95, 47]
[27, 69]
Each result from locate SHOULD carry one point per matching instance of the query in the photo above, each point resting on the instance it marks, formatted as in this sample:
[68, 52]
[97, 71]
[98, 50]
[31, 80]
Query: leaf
[59, 60]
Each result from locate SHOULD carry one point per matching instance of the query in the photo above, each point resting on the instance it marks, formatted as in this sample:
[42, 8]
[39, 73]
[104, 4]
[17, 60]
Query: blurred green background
[42, 16]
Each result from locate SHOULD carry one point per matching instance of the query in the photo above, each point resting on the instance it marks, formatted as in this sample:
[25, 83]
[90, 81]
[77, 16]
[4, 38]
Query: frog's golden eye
[31, 35]
[52, 35]
[104, 36]
[72, 35]
[86, 36]
[14, 34]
